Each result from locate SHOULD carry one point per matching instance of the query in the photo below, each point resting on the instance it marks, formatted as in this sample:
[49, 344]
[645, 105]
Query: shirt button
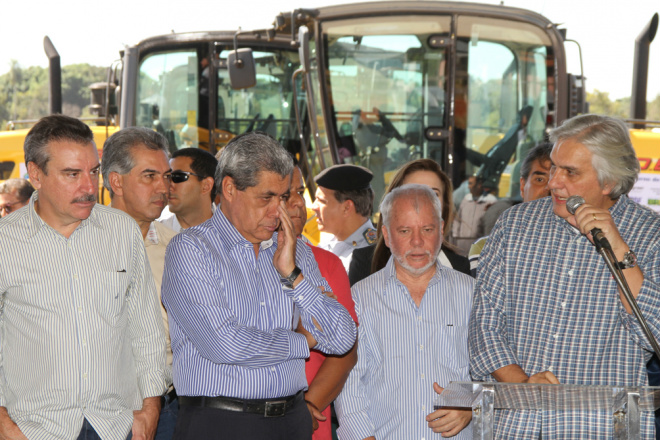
[80, 310]
[419, 318]
[84, 375]
[272, 369]
[75, 276]
[423, 409]
[563, 304]
[422, 375]
[84, 342]
[549, 369]
[421, 346]
[555, 336]
[570, 272]
[263, 304]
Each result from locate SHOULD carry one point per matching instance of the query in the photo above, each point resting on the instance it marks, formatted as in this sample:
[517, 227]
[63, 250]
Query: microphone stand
[611, 262]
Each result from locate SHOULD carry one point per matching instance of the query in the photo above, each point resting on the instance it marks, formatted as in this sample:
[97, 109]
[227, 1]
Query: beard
[416, 271]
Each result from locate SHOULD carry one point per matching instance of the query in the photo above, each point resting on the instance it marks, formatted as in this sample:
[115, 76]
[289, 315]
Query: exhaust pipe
[54, 77]
[641, 70]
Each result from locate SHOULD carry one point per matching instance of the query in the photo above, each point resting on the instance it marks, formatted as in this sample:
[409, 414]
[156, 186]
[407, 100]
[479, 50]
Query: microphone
[572, 204]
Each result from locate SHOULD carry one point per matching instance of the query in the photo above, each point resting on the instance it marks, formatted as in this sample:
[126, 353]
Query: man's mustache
[85, 198]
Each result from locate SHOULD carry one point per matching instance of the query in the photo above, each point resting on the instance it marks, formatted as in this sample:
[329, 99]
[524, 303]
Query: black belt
[276, 407]
[168, 397]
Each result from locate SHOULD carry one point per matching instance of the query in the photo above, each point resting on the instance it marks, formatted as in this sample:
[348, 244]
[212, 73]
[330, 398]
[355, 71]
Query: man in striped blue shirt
[235, 291]
[412, 338]
[546, 307]
[82, 342]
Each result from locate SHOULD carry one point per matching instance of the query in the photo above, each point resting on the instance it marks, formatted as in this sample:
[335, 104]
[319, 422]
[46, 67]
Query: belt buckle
[275, 408]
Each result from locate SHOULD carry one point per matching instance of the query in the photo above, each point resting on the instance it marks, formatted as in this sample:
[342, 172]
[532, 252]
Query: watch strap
[291, 278]
[629, 261]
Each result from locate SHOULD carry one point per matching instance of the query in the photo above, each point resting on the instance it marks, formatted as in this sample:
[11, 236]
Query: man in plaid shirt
[546, 308]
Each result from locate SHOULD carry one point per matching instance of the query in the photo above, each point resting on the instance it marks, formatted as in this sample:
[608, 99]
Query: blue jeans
[88, 433]
[167, 420]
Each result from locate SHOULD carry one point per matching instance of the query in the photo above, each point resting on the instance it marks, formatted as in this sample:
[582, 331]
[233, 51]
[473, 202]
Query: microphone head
[573, 203]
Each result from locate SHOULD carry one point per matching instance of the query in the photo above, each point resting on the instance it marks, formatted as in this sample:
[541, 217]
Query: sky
[82, 33]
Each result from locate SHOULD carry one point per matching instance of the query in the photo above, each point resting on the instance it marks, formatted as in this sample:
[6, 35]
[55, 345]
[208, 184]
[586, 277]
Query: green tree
[24, 91]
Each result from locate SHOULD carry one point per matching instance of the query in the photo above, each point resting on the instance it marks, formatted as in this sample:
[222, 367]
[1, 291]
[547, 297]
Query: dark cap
[344, 177]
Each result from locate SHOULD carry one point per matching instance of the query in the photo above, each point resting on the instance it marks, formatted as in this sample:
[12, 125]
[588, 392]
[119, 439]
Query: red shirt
[333, 271]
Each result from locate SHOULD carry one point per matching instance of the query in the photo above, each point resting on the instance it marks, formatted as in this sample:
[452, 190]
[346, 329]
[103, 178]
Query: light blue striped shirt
[402, 350]
[80, 328]
[231, 320]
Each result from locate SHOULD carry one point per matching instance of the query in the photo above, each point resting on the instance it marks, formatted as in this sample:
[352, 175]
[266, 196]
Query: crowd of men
[193, 308]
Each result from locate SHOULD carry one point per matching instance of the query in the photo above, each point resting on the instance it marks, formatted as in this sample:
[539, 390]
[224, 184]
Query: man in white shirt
[343, 205]
[192, 189]
[83, 345]
[412, 338]
[472, 209]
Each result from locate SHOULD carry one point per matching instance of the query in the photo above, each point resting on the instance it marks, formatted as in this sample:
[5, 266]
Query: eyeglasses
[182, 176]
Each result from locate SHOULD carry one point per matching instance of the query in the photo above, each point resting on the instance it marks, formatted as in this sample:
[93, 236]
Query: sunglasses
[181, 176]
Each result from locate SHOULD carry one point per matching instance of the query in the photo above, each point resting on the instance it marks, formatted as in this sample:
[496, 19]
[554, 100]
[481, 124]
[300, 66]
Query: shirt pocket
[112, 290]
[453, 340]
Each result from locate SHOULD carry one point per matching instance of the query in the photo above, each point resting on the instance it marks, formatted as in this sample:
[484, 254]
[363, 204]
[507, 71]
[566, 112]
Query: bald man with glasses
[192, 189]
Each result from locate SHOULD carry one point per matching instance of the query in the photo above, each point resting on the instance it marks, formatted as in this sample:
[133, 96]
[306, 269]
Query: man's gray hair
[117, 150]
[245, 156]
[414, 192]
[608, 140]
[21, 188]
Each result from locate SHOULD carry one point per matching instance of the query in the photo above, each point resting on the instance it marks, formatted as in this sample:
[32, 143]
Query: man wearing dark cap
[343, 205]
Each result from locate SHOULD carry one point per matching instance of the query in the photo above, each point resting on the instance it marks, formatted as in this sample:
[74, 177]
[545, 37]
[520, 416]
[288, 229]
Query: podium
[624, 403]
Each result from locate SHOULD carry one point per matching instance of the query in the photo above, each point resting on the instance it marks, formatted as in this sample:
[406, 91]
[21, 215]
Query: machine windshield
[175, 98]
[394, 96]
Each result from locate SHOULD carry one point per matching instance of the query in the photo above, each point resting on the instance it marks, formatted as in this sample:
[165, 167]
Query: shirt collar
[231, 237]
[355, 236]
[152, 235]
[36, 223]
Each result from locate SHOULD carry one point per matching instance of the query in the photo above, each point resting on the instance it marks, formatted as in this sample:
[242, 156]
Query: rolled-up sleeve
[488, 345]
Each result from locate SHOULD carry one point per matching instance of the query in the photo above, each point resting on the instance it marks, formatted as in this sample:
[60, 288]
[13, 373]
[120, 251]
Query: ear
[35, 174]
[607, 189]
[348, 207]
[522, 188]
[116, 181]
[228, 188]
[207, 185]
[386, 237]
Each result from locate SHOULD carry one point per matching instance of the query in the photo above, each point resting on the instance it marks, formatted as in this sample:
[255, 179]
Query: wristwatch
[289, 280]
[629, 260]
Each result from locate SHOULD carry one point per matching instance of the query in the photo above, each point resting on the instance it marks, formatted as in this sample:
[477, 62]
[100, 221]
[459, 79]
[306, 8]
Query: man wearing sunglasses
[192, 189]
[136, 172]
[14, 194]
